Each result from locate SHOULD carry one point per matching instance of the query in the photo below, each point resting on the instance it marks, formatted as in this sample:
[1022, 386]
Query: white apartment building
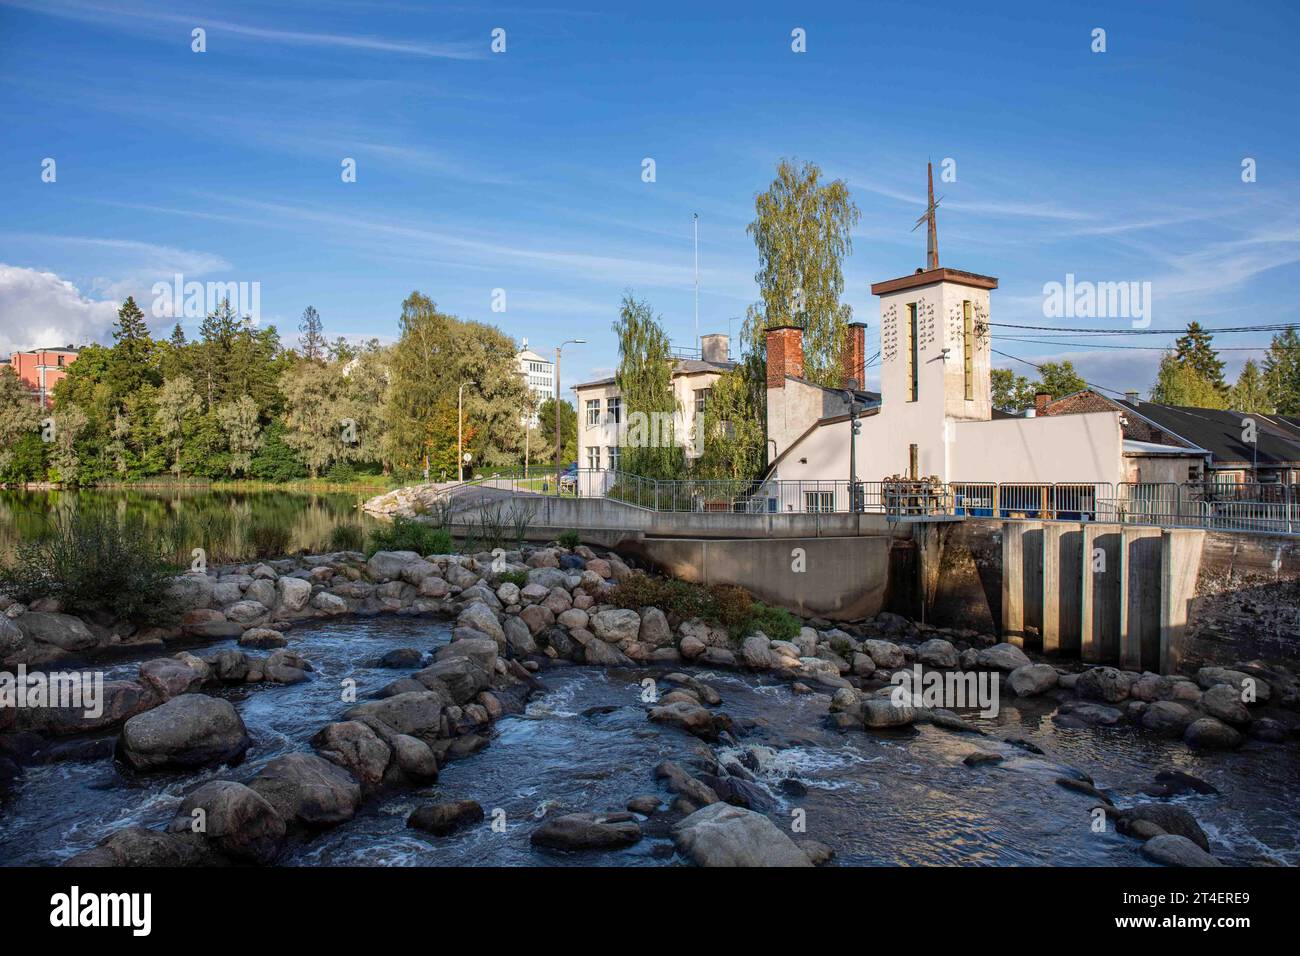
[602, 420]
[538, 374]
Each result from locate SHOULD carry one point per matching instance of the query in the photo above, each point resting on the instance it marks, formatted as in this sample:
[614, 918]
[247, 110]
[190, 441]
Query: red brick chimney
[1040, 403]
[855, 354]
[784, 354]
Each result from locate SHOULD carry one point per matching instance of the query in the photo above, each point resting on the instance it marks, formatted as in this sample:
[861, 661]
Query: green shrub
[269, 540]
[407, 535]
[347, 537]
[517, 578]
[341, 473]
[95, 564]
[569, 539]
[777, 623]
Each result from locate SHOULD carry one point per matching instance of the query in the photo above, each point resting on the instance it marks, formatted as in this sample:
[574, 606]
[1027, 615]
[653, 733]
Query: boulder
[1002, 657]
[246, 612]
[1168, 718]
[1224, 702]
[884, 653]
[119, 700]
[307, 789]
[331, 604]
[1210, 733]
[263, 637]
[459, 676]
[581, 831]
[138, 846]
[402, 657]
[481, 618]
[441, 819]
[756, 652]
[191, 591]
[574, 619]
[1103, 683]
[691, 718]
[1168, 817]
[192, 730]
[520, 639]
[285, 667]
[417, 714]
[599, 653]
[1173, 850]
[63, 631]
[1032, 679]
[724, 835]
[616, 625]
[654, 628]
[387, 565]
[881, 712]
[937, 652]
[294, 594]
[537, 617]
[170, 677]
[234, 819]
[354, 746]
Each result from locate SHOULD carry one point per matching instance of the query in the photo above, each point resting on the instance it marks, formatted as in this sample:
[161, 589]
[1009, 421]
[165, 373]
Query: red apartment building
[41, 369]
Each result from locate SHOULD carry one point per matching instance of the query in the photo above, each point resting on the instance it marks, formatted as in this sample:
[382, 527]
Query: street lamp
[460, 398]
[558, 449]
[851, 394]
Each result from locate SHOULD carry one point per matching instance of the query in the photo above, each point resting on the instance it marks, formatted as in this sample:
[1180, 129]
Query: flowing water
[584, 743]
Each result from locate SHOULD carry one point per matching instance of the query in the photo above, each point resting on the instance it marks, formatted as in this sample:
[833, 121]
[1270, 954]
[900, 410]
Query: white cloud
[39, 309]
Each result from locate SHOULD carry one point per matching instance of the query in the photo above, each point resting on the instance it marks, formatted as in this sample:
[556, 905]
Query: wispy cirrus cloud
[125, 17]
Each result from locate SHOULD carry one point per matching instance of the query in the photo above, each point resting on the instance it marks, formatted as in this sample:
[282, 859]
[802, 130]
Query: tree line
[237, 403]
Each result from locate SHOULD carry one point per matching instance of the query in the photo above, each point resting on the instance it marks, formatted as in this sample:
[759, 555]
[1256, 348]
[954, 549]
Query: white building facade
[539, 376]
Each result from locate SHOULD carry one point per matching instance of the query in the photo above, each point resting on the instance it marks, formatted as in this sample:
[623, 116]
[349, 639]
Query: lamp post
[558, 449]
[850, 394]
[460, 399]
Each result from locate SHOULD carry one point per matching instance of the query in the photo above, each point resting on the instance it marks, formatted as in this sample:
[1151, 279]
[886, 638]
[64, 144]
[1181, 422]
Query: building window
[614, 457]
[614, 410]
[819, 502]
[702, 396]
[593, 412]
[968, 349]
[910, 353]
[593, 458]
[1193, 472]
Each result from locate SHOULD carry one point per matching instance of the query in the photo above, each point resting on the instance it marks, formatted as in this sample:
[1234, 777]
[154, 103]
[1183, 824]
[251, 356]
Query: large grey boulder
[234, 819]
[63, 631]
[1173, 850]
[418, 715]
[654, 628]
[881, 712]
[1224, 702]
[460, 677]
[481, 618]
[139, 846]
[723, 835]
[294, 594]
[1210, 733]
[937, 652]
[308, 790]
[616, 625]
[192, 730]
[1103, 683]
[388, 564]
[1167, 816]
[356, 747]
[1002, 657]
[884, 653]
[585, 831]
[1032, 679]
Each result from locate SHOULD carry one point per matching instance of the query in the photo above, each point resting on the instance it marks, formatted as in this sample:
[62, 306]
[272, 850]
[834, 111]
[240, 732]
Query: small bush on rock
[517, 578]
[407, 535]
[777, 623]
[95, 564]
[569, 539]
[347, 537]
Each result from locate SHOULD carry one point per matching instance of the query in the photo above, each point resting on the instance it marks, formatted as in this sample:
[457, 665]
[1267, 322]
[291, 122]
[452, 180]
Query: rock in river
[723, 835]
[308, 789]
[235, 820]
[441, 819]
[192, 730]
[585, 831]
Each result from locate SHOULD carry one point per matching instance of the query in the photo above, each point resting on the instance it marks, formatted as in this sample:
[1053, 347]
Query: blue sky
[522, 170]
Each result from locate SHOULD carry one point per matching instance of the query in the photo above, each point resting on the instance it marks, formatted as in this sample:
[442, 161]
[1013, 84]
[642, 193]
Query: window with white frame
[593, 412]
[593, 458]
[614, 409]
[614, 457]
[702, 396]
[819, 502]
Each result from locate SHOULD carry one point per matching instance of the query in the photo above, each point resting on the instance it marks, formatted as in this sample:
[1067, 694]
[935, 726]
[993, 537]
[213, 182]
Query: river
[584, 743]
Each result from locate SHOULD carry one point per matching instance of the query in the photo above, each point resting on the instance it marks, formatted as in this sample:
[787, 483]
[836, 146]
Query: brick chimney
[855, 354]
[1040, 403]
[784, 354]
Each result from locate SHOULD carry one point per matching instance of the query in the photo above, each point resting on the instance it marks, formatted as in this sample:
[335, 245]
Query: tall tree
[730, 433]
[543, 445]
[311, 335]
[649, 445]
[239, 423]
[1250, 393]
[315, 428]
[132, 355]
[20, 415]
[1196, 351]
[1059, 379]
[217, 337]
[1282, 372]
[1011, 392]
[1178, 383]
[178, 409]
[803, 231]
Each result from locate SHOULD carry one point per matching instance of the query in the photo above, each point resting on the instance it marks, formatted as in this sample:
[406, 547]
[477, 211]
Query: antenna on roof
[932, 233]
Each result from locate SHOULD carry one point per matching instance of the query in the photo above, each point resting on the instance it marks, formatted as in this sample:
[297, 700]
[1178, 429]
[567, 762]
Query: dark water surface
[901, 797]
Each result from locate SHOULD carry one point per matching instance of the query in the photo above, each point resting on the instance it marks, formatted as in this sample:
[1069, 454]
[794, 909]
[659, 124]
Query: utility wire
[1016, 358]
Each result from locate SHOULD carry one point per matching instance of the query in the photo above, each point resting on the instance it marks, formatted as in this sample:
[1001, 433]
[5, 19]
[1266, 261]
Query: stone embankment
[514, 613]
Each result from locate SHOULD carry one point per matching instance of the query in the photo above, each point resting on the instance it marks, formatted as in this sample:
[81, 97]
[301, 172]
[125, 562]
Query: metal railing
[1250, 507]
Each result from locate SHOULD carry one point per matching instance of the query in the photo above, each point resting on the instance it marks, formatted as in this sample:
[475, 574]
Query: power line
[1104, 388]
[1154, 348]
[1276, 327]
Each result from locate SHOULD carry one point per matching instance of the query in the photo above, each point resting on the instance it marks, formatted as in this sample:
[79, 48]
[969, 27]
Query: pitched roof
[680, 367]
[1219, 431]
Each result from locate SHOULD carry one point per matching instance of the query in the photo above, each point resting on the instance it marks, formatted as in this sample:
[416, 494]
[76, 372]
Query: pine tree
[1196, 352]
[1250, 393]
[130, 325]
[1282, 372]
[312, 337]
[1177, 383]
[131, 359]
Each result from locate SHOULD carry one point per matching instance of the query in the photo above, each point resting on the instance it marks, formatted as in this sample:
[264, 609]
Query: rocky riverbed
[418, 709]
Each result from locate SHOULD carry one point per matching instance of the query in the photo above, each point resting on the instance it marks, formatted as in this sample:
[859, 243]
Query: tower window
[968, 349]
[910, 353]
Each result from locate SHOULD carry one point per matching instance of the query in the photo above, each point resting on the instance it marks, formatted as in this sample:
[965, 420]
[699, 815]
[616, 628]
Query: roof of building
[1220, 433]
[1149, 448]
[680, 367]
[942, 274]
[72, 349]
[528, 355]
